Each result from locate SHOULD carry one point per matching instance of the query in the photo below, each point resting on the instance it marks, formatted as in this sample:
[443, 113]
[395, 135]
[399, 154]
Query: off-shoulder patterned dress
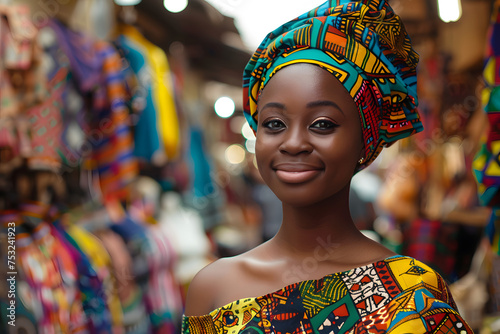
[396, 295]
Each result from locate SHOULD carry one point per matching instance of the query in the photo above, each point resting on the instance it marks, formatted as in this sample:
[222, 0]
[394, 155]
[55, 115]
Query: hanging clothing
[28, 306]
[47, 278]
[435, 243]
[154, 70]
[113, 154]
[397, 295]
[45, 126]
[163, 294]
[96, 122]
[130, 236]
[90, 285]
[135, 317]
[486, 164]
[99, 260]
[30, 103]
[147, 142]
[22, 79]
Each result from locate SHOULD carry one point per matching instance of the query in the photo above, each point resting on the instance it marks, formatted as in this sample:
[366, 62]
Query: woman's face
[309, 136]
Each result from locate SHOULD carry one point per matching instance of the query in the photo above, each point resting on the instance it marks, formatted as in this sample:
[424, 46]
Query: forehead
[303, 83]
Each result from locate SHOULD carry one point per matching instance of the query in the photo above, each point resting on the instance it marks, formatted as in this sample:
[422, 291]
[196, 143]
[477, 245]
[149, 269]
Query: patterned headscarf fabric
[366, 47]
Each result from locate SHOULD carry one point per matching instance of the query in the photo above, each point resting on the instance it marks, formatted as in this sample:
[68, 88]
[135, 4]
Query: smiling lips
[296, 173]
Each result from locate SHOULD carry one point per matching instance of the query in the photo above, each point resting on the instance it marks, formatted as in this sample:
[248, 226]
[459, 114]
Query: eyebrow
[273, 105]
[319, 103]
[322, 103]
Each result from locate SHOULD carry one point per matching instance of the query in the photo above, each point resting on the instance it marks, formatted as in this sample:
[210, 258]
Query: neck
[326, 225]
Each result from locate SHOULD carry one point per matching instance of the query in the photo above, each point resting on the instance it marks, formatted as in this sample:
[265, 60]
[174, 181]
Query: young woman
[324, 93]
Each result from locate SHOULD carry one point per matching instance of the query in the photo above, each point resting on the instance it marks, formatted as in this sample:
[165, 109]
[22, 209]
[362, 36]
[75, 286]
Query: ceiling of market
[210, 39]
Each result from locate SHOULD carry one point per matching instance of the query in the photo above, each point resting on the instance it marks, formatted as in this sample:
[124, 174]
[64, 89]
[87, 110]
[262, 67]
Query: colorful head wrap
[365, 45]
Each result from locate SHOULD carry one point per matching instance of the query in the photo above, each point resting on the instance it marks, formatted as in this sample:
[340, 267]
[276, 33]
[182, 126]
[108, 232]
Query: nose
[295, 141]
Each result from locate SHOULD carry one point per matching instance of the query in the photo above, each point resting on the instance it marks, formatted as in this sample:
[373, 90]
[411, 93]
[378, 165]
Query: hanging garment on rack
[135, 237]
[73, 111]
[435, 243]
[113, 156]
[69, 271]
[104, 141]
[64, 282]
[22, 80]
[135, 315]
[64, 271]
[163, 92]
[91, 286]
[45, 126]
[163, 294]
[28, 306]
[47, 275]
[101, 262]
[79, 50]
[30, 104]
[203, 186]
[486, 164]
[58, 304]
[147, 142]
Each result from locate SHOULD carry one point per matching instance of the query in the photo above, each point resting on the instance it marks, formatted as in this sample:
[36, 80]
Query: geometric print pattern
[486, 165]
[396, 295]
[366, 289]
[365, 46]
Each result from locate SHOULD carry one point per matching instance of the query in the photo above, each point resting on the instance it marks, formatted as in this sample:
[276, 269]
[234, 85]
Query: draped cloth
[365, 46]
[396, 295]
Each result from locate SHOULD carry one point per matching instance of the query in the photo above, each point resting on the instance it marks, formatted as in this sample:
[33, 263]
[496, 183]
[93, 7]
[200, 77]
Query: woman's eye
[274, 124]
[323, 124]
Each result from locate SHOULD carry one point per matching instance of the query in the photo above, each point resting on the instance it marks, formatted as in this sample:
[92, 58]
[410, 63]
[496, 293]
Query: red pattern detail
[390, 285]
[366, 279]
[377, 299]
[341, 311]
[361, 305]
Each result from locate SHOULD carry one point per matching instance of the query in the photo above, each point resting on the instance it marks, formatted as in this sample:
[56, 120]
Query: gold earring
[360, 161]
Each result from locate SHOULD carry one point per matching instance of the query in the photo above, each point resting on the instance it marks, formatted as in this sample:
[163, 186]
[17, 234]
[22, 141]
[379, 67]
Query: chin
[304, 196]
[298, 198]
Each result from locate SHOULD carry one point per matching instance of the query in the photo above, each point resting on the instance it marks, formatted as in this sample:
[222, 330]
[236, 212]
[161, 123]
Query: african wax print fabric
[365, 45]
[486, 164]
[396, 295]
[159, 118]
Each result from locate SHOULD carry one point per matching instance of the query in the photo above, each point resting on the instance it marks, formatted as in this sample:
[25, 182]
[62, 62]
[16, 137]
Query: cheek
[264, 151]
[260, 150]
[340, 152]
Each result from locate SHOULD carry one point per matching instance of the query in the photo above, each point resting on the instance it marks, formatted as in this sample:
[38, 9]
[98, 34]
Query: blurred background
[126, 164]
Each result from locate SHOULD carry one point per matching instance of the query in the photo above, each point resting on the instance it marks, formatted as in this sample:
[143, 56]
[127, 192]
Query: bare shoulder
[229, 279]
[205, 286]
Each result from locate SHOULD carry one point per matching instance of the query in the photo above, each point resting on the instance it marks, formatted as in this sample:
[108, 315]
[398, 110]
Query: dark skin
[308, 145]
